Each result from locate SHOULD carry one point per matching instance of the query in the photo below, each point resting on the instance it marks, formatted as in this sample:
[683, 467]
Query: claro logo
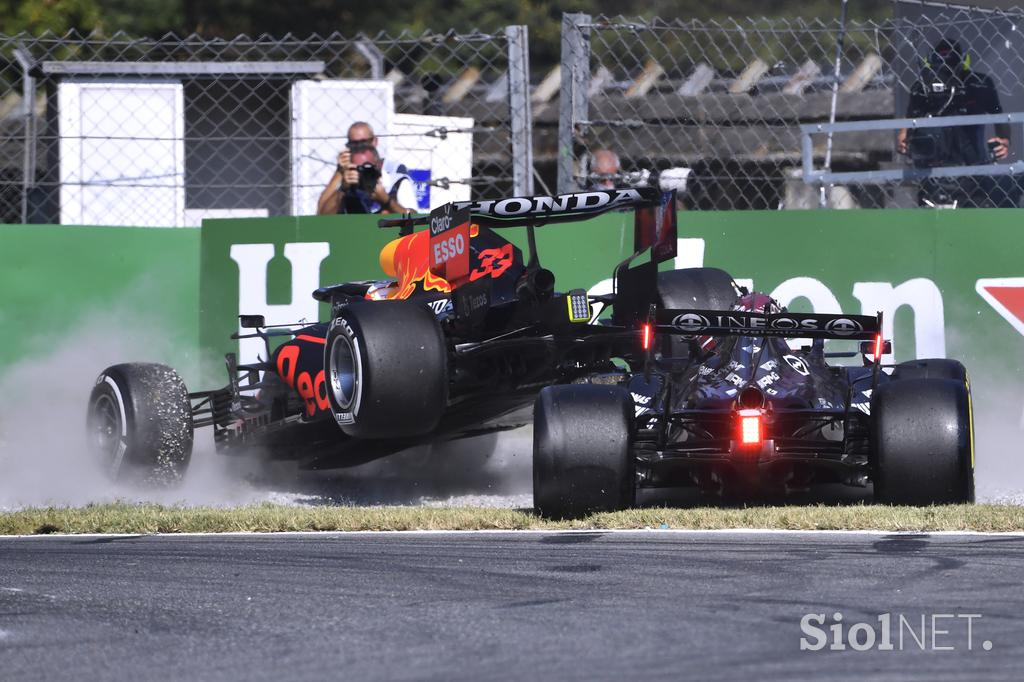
[439, 224]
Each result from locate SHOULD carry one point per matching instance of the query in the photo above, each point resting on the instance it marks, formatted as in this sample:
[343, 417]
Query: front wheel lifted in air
[140, 423]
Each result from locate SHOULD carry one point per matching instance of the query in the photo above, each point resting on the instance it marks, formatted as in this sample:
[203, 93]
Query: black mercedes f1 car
[720, 401]
[462, 334]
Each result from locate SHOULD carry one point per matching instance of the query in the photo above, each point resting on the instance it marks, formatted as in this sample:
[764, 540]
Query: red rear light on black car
[751, 428]
[646, 335]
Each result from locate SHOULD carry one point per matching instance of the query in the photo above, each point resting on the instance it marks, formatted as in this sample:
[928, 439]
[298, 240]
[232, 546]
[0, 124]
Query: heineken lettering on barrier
[949, 284]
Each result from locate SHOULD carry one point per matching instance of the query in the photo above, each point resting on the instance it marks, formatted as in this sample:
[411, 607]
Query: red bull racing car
[720, 401]
[462, 334]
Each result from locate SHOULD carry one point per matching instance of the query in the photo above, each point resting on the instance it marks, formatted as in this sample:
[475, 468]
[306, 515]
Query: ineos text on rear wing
[790, 325]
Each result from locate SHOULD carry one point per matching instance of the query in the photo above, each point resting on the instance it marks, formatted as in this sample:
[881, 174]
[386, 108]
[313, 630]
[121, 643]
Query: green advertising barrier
[66, 286]
[937, 275]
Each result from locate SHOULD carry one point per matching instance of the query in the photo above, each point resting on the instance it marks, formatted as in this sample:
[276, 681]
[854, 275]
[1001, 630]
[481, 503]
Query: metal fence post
[28, 102]
[520, 116]
[573, 105]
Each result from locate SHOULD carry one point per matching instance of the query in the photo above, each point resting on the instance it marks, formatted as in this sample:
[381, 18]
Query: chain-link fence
[728, 99]
[118, 130]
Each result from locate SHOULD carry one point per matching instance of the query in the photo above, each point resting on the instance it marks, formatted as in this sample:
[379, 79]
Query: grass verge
[132, 518]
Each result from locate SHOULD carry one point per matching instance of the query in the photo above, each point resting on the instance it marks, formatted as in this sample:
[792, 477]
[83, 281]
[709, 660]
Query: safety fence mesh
[120, 130]
[728, 98]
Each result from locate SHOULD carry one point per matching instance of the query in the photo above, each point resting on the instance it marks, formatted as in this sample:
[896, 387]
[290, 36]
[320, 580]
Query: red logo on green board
[1006, 295]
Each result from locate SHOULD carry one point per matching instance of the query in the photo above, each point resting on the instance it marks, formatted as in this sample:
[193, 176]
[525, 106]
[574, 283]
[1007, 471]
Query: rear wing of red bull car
[654, 211]
[654, 230]
[541, 210]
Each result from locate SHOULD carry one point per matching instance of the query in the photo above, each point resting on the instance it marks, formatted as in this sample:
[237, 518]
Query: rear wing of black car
[785, 324]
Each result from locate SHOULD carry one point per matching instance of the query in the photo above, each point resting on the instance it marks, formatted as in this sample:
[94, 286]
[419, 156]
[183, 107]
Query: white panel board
[122, 153]
[429, 158]
[322, 111]
[194, 217]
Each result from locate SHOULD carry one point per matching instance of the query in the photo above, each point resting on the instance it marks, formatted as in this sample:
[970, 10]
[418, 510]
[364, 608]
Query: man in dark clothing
[948, 87]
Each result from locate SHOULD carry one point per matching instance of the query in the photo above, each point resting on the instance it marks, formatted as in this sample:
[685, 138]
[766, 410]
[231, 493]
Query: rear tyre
[582, 459]
[700, 288]
[922, 442]
[387, 373]
[140, 424]
[930, 369]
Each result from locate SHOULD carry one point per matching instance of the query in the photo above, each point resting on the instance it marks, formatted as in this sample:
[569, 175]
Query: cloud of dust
[998, 435]
[44, 460]
[493, 470]
[998, 420]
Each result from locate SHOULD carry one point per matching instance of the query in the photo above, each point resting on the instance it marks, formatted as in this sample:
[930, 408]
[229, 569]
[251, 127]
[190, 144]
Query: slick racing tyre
[698, 288]
[701, 288]
[930, 369]
[582, 459]
[922, 444]
[140, 424]
[387, 369]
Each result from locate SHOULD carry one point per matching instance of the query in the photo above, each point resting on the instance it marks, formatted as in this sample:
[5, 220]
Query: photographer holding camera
[363, 183]
[948, 87]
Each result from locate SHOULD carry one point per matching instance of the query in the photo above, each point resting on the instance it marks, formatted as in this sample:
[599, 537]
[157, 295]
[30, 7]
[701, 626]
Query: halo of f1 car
[690, 380]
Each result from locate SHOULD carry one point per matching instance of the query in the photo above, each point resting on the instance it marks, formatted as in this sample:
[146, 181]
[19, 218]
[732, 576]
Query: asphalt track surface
[495, 606]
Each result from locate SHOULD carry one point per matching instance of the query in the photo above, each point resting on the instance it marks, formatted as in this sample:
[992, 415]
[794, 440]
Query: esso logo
[446, 249]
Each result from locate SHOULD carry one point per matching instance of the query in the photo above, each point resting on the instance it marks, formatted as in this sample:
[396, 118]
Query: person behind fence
[363, 182]
[948, 86]
[605, 169]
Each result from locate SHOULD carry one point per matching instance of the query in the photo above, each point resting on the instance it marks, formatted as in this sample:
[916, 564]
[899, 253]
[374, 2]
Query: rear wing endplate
[789, 325]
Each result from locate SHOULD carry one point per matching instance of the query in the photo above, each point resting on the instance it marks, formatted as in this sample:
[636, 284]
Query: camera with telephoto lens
[929, 147]
[932, 147]
[369, 174]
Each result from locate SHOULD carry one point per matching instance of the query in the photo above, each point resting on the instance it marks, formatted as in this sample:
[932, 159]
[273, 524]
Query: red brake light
[878, 347]
[647, 334]
[750, 427]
